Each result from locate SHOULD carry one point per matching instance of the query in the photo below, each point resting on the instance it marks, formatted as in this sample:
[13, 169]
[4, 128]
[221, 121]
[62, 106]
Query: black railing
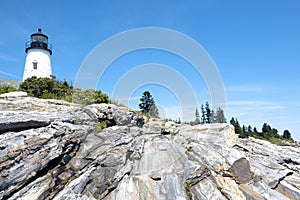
[37, 44]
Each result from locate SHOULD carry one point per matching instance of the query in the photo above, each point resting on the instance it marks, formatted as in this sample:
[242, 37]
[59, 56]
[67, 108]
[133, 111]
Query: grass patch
[100, 126]
[133, 158]
[188, 187]
[274, 140]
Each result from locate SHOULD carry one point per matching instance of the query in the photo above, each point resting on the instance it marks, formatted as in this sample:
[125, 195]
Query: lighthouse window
[34, 64]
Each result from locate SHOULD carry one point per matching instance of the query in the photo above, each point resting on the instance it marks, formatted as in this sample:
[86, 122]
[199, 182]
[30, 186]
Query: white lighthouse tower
[38, 61]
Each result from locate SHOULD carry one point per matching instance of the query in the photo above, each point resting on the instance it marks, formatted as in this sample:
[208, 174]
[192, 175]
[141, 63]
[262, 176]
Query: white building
[38, 61]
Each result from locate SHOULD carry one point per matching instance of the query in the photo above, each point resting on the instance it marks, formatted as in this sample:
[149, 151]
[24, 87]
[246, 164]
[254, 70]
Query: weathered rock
[52, 149]
[14, 94]
[288, 190]
[170, 128]
[117, 115]
[240, 169]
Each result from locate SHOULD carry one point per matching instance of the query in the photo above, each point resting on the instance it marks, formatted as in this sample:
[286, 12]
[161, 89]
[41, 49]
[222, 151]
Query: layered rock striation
[51, 149]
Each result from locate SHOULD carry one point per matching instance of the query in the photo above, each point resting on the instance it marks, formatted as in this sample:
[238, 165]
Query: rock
[52, 149]
[22, 122]
[14, 94]
[113, 114]
[170, 128]
[288, 190]
[240, 170]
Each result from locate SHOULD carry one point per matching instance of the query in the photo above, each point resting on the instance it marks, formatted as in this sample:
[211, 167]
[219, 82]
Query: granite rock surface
[52, 149]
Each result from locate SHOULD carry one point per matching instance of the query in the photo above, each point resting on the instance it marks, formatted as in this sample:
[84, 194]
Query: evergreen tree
[250, 129]
[213, 116]
[243, 133]
[266, 128]
[232, 121]
[255, 130]
[179, 121]
[220, 117]
[208, 113]
[237, 127]
[274, 133]
[197, 115]
[147, 104]
[287, 134]
[203, 118]
[268, 131]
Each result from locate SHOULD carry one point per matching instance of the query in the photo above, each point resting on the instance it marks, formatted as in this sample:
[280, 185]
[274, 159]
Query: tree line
[50, 88]
[208, 115]
[267, 132]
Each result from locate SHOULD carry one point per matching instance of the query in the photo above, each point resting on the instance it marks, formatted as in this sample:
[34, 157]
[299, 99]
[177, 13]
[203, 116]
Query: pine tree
[147, 104]
[266, 128]
[179, 121]
[244, 133]
[220, 117]
[274, 133]
[232, 121]
[287, 134]
[208, 113]
[203, 118]
[237, 127]
[249, 129]
[213, 116]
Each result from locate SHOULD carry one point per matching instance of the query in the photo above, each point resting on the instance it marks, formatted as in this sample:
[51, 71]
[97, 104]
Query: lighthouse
[38, 52]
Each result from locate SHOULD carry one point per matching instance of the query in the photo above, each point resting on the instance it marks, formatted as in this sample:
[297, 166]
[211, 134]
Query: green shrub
[133, 158]
[49, 88]
[188, 187]
[100, 126]
[89, 96]
[6, 89]
[189, 149]
[37, 86]
[47, 95]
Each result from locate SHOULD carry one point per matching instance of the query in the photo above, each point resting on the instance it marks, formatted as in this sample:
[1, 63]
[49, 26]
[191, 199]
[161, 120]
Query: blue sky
[254, 44]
